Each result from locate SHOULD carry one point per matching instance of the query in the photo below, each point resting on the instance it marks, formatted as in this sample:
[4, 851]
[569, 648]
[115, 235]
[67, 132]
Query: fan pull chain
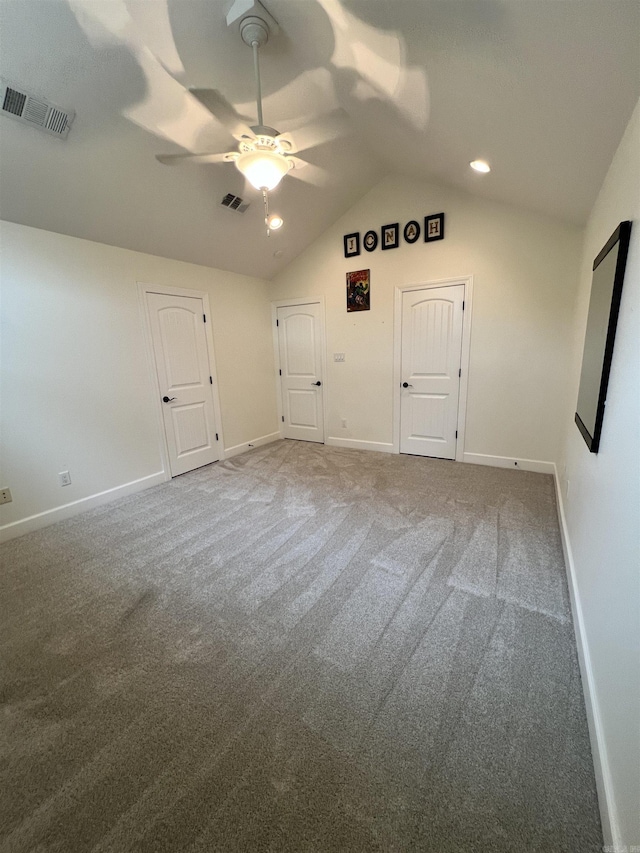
[265, 199]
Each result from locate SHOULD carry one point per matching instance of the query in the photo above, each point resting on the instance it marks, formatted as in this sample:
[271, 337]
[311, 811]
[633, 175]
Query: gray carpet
[301, 649]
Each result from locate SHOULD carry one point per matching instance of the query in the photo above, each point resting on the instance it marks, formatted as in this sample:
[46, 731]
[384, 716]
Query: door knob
[167, 399]
[318, 383]
[406, 385]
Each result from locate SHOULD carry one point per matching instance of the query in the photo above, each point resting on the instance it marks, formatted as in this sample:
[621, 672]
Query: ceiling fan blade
[319, 131]
[225, 112]
[308, 173]
[176, 159]
[153, 23]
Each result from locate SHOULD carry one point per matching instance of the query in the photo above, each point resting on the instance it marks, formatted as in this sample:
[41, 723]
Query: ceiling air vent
[38, 112]
[234, 202]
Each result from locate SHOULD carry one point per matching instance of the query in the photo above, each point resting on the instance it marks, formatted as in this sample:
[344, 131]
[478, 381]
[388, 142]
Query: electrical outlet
[338, 356]
[5, 496]
[343, 423]
[64, 478]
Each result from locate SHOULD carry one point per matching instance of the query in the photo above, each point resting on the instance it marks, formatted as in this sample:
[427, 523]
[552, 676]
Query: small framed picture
[434, 227]
[370, 241]
[411, 231]
[390, 238]
[358, 291]
[351, 245]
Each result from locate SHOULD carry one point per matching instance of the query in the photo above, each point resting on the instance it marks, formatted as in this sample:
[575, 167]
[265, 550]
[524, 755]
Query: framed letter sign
[411, 231]
[370, 241]
[390, 237]
[351, 245]
[434, 227]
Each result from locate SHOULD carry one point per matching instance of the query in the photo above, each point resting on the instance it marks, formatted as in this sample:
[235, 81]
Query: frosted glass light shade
[263, 169]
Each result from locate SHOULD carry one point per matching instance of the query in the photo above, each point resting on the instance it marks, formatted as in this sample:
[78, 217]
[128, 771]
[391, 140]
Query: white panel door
[300, 350]
[182, 365]
[431, 353]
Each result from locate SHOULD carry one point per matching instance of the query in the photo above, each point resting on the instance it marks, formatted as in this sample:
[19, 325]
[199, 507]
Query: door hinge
[217, 439]
[211, 380]
[277, 322]
[456, 433]
[280, 372]
[204, 318]
[459, 373]
[283, 419]
[463, 304]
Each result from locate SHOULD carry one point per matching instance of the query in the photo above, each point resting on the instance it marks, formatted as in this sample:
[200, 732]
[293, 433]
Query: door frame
[287, 303]
[143, 289]
[467, 281]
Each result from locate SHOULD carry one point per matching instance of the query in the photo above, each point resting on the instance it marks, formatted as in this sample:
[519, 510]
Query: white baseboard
[60, 513]
[355, 444]
[237, 449]
[510, 462]
[610, 827]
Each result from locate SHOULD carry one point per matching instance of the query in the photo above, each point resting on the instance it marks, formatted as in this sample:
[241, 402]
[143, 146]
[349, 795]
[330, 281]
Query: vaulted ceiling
[542, 89]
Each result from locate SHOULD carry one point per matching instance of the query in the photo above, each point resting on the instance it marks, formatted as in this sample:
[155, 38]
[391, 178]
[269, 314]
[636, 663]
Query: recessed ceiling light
[480, 165]
[275, 221]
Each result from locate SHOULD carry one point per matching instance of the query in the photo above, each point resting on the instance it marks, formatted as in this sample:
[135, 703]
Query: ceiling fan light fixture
[480, 166]
[263, 169]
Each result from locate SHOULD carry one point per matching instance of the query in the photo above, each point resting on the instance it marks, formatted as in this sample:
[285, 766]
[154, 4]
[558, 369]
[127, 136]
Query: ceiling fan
[264, 155]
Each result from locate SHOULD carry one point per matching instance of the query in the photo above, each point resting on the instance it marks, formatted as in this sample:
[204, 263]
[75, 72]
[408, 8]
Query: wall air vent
[38, 112]
[234, 202]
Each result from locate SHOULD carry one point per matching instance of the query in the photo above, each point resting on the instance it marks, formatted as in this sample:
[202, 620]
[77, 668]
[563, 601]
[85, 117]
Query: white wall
[603, 513]
[525, 279]
[77, 391]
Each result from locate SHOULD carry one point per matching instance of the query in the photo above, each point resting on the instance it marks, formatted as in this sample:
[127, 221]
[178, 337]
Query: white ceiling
[542, 89]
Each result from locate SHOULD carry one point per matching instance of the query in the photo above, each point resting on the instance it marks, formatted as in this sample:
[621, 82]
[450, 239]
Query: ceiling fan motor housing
[263, 130]
[266, 142]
